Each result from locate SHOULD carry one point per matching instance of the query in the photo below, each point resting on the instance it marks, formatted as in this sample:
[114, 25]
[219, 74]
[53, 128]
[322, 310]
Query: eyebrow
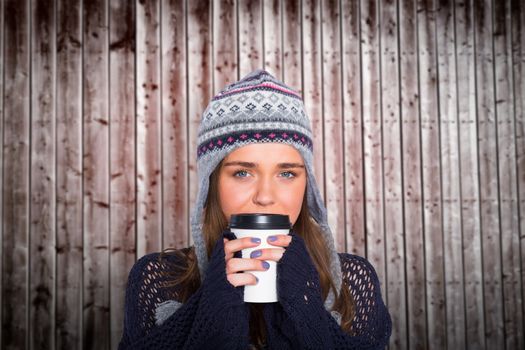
[254, 165]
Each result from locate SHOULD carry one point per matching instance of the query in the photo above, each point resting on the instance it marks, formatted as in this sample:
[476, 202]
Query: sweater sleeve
[305, 323]
[214, 316]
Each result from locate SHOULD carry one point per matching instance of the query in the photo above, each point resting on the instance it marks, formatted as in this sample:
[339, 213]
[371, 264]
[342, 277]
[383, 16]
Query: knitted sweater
[215, 316]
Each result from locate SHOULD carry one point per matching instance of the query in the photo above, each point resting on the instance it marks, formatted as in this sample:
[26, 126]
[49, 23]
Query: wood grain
[417, 325]
[175, 125]
[95, 163]
[69, 174]
[517, 20]
[353, 128]
[2, 117]
[199, 81]
[292, 62]
[43, 180]
[312, 90]
[333, 121]
[224, 44]
[470, 214]
[272, 42]
[508, 189]
[16, 181]
[488, 176]
[372, 140]
[149, 128]
[392, 177]
[122, 156]
[431, 176]
[450, 171]
[250, 35]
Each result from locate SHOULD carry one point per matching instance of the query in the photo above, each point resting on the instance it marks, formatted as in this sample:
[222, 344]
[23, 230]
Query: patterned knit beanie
[258, 108]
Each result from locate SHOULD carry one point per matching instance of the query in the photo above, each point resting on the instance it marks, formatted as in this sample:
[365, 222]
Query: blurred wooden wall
[418, 111]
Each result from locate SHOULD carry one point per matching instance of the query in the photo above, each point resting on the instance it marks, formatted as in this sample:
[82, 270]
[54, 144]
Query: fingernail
[265, 265]
[272, 238]
[255, 254]
[256, 240]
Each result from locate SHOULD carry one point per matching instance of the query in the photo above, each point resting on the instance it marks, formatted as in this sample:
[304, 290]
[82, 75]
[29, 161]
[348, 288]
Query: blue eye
[288, 174]
[241, 173]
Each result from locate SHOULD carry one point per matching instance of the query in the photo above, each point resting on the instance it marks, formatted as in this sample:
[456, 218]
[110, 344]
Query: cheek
[292, 200]
[230, 197]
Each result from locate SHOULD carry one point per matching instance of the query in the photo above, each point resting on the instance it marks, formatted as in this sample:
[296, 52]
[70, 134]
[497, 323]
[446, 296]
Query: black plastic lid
[260, 221]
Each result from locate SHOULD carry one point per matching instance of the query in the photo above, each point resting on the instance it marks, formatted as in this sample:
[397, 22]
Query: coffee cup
[260, 226]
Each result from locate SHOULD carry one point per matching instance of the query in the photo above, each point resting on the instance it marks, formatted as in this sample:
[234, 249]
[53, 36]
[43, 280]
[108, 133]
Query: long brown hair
[305, 226]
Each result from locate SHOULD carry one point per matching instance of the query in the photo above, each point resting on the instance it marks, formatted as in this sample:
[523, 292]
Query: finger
[235, 265]
[242, 279]
[236, 245]
[273, 254]
[279, 240]
[227, 256]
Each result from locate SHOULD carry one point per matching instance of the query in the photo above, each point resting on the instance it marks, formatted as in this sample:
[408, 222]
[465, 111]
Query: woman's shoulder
[158, 263]
[355, 261]
[151, 283]
[357, 270]
[153, 277]
[169, 256]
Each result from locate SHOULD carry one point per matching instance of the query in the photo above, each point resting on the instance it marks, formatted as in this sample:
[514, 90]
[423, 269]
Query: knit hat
[256, 109]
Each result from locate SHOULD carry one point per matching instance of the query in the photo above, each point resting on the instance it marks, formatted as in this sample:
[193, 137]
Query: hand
[235, 267]
[273, 254]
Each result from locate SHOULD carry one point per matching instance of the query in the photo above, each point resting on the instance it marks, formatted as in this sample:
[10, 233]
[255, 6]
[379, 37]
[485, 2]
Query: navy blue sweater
[215, 316]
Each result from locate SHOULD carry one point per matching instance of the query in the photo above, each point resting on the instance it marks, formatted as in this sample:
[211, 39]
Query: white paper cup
[265, 291]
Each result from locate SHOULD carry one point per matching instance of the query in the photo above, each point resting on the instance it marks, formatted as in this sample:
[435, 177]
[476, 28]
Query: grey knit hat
[258, 108]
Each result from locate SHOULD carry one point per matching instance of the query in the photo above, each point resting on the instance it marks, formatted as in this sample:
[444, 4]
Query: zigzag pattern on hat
[253, 106]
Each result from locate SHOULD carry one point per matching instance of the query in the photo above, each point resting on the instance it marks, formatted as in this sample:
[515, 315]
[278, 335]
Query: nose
[264, 195]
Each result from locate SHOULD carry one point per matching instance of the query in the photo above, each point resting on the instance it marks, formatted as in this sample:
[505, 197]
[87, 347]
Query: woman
[255, 156]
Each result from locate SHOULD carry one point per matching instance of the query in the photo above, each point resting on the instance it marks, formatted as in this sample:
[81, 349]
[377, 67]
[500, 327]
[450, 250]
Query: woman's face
[267, 178]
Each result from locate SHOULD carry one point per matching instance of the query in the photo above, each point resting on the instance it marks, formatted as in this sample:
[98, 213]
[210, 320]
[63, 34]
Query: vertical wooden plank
[412, 187]
[470, 214]
[508, 187]
[333, 119]
[149, 128]
[69, 175]
[312, 90]
[199, 80]
[174, 119]
[272, 43]
[2, 117]
[224, 43]
[452, 235]
[393, 192]
[375, 247]
[488, 176]
[292, 63]
[518, 71]
[292, 48]
[16, 175]
[122, 157]
[250, 36]
[96, 181]
[42, 244]
[353, 136]
[431, 175]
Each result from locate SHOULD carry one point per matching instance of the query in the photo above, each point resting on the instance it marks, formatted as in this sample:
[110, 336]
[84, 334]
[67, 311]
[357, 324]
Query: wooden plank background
[418, 112]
